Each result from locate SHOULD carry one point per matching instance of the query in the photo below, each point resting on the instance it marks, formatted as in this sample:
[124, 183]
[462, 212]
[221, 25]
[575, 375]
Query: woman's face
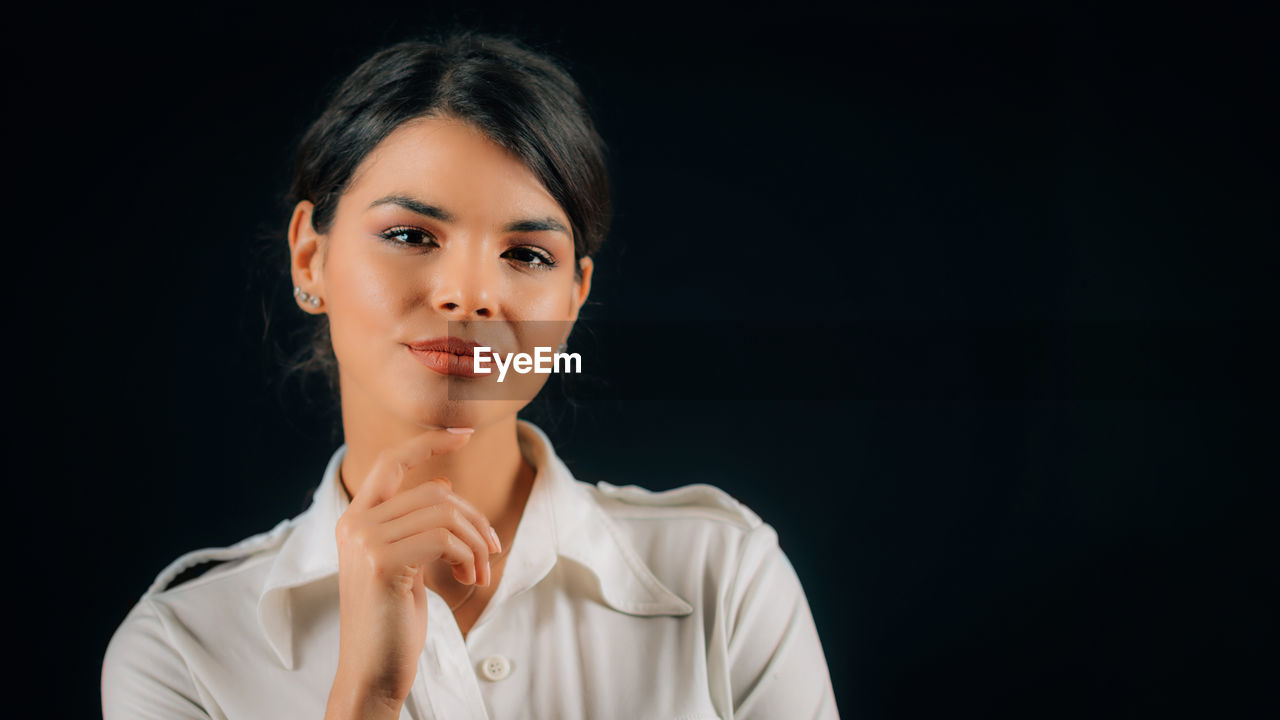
[441, 232]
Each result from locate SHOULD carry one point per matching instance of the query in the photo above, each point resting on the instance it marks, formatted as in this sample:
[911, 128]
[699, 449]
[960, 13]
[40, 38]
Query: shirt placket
[446, 687]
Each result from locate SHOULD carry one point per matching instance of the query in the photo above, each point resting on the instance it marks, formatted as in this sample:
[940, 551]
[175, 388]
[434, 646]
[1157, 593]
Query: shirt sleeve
[143, 676]
[776, 664]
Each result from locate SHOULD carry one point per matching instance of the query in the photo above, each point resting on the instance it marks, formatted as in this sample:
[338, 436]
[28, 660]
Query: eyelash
[545, 260]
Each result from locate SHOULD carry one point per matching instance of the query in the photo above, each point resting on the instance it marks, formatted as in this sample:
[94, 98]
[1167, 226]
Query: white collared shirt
[615, 603]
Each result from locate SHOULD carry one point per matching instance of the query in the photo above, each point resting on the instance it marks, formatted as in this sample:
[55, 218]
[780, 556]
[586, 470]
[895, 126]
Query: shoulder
[208, 582]
[143, 672]
[206, 565]
[692, 526]
[203, 593]
[698, 502]
[699, 533]
[698, 540]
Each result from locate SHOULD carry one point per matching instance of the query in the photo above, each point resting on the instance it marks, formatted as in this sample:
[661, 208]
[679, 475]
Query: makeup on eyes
[537, 257]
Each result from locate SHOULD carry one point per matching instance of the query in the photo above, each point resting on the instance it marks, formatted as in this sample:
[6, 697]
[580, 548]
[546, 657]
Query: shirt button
[495, 667]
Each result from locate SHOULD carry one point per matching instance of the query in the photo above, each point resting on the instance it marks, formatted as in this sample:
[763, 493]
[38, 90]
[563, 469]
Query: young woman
[450, 566]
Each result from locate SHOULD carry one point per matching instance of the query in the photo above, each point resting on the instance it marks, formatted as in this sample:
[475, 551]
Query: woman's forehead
[454, 165]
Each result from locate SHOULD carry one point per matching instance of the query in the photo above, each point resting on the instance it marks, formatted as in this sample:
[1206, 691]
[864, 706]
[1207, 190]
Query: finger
[438, 543]
[446, 515]
[431, 493]
[389, 467]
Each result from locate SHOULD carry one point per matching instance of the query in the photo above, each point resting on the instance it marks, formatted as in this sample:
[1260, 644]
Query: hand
[386, 541]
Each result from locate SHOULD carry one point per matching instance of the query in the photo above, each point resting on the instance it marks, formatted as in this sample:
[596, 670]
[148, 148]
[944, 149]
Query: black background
[989, 284]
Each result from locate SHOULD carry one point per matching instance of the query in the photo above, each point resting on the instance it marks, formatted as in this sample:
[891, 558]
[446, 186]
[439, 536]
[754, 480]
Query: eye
[408, 236]
[532, 257]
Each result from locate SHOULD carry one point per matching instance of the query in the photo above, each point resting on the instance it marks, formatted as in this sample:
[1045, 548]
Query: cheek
[545, 301]
[366, 293]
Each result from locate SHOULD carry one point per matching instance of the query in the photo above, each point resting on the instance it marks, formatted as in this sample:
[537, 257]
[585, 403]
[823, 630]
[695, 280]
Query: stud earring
[305, 296]
[564, 346]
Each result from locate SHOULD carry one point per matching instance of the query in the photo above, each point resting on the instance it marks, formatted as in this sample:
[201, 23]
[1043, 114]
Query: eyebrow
[432, 211]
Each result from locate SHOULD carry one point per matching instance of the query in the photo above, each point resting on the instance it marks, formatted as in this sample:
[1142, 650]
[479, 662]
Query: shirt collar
[561, 520]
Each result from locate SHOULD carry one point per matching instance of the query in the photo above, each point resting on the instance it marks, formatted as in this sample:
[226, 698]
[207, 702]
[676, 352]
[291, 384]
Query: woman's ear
[581, 288]
[306, 254]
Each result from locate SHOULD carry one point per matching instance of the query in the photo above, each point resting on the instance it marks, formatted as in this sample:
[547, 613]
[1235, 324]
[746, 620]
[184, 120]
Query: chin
[430, 406]
[452, 404]
[446, 414]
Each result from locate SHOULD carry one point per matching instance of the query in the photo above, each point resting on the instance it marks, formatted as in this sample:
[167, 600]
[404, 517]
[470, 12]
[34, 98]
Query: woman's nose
[464, 286]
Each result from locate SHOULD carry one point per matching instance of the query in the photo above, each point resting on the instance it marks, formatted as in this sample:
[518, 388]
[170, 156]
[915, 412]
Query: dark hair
[520, 99]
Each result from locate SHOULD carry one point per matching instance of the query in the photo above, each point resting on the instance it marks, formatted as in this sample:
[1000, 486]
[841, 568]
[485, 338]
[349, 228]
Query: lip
[447, 355]
[450, 344]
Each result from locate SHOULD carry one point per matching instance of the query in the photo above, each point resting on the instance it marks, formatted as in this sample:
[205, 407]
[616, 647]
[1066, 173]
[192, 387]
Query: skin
[424, 498]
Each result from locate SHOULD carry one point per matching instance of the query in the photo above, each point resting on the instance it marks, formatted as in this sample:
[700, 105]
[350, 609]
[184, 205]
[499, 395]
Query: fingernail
[496, 543]
[442, 479]
[460, 430]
